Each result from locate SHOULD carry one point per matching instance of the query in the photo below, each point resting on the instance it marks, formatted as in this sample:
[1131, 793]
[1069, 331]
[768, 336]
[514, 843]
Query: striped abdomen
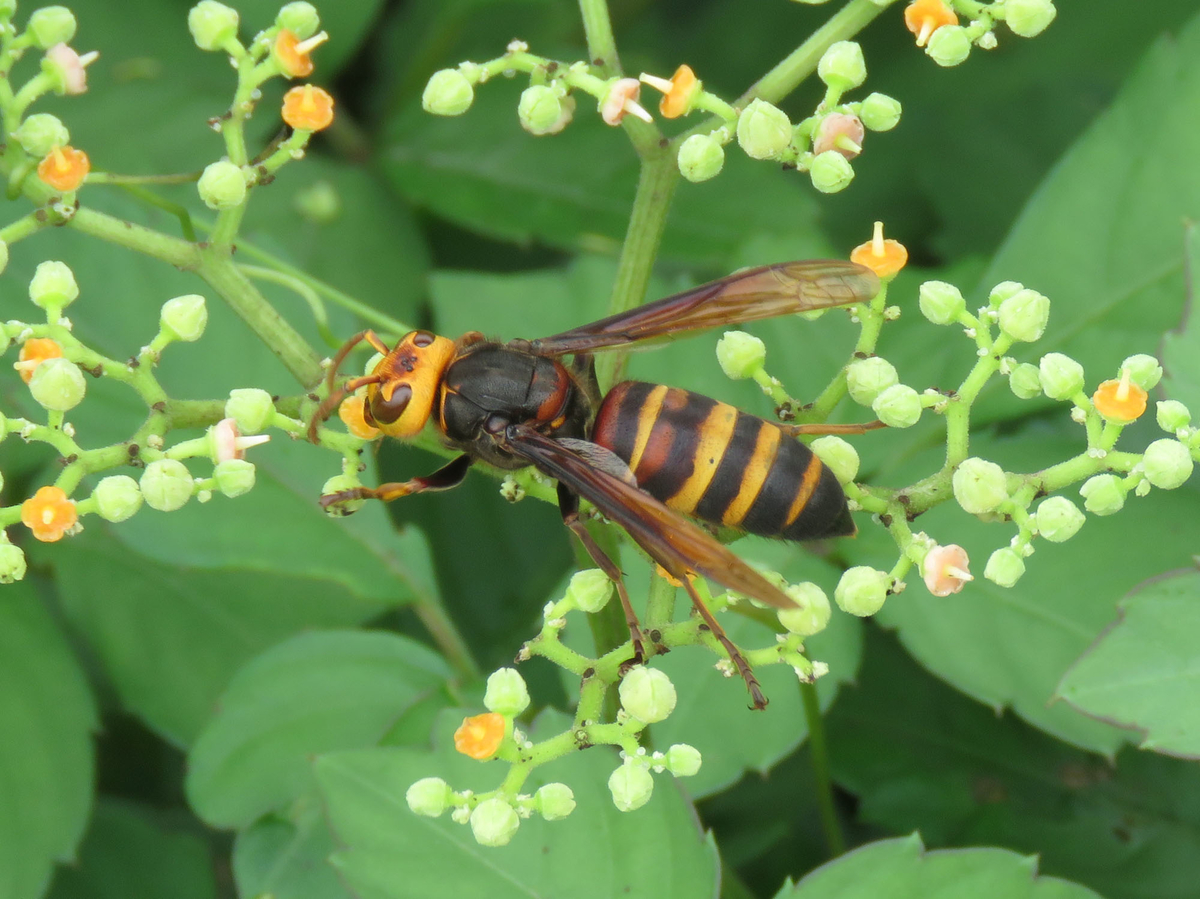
[709, 460]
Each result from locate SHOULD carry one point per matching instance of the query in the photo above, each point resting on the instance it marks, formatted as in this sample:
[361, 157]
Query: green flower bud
[631, 786]
[53, 286]
[763, 130]
[838, 455]
[812, 613]
[1143, 370]
[1003, 291]
[51, 25]
[506, 693]
[554, 801]
[222, 185]
[212, 24]
[589, 590]
[1025, 381]
[1029, 18]
[879, 112]
[867, 378]
[300, 18]
[184, 318]
[117, 497]
[842, 66]
[701, 157]
[57, 384]
[1103, 494]
[235, 477]
[830, 172]
[1061, 376]
[740, 354]
[429, 796]
[12, 562]
[7, 8]
[494, 822]
[319, 203]
[647, 694]
[979, 485]
[862, 590]
[41, 133]
[1023, 316]
[251, 409]
[1004, 567]
[1058, 519]
[1167, 464]
[337, 484]
[167, 485]
[949, 45]
[1172, 415]
[898, 407]
[683, 760]
[448, 93]
[540, 110]
[940, 302]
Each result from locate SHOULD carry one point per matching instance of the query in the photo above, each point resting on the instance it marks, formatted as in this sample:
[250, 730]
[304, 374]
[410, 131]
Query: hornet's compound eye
[390, 402]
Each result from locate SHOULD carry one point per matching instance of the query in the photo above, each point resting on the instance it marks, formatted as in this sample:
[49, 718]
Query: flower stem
[819, 754]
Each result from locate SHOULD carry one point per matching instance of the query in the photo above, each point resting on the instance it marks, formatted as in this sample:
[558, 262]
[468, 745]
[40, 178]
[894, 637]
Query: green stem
[602, 47]
[819, 753]
[172, 250]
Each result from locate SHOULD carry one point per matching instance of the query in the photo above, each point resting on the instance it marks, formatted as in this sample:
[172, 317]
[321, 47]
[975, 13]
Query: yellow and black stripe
[707, 459]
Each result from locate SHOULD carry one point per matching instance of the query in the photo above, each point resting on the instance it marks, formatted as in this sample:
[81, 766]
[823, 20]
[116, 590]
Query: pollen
[307, 108]
[33, 353]
[479, 736]
[924, 17]
[678, 93]
[1120, 401]
[64, 168]
[294, 55]
[49, 514]
[883, 257]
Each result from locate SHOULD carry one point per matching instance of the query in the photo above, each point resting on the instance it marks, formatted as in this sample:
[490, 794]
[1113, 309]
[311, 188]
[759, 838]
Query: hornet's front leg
[447, 477]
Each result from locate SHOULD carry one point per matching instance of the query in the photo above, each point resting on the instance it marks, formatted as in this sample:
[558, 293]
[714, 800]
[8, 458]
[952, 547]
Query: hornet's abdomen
[709, 460]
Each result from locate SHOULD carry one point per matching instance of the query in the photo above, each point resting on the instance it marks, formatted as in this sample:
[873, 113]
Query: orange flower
[292, 54]
[480, 736]
[678, 93]
[34, 352]
[351, 412]
[883, 257]
[307, 108]
[946, 569]
[1120, 401]
[924, 17]
[48, 513]
[64, 168]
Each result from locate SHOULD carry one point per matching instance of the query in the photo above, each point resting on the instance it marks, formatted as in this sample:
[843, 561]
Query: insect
[648, 457]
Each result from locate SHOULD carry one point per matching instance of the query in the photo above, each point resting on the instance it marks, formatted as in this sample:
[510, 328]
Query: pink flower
[622, 98]
[228, 444]
[70, 66]
[839, 131]
[946, 569]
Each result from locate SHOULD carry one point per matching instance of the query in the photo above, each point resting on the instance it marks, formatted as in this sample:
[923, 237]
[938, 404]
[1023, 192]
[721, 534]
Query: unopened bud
[899, 406]
[840, 457]
[12, 562]
[212, 24]
[590, 590]
[506, 693]
[1060, 375]
[57, 384]
[234, 477]
[1103, 494]
[184, 318]
[979, 485]
[1004, 567]
[554, 801]
[51, 25]
[940, 302]
[830, 172]
[167, 485]
[1003, 291]
[1025, 381]
[448, 93]
[1167, 464]
[812, 612]
[429, 796]
[1023, 315]
[540, 110]
[338, 484]
[1058, 519]
[867, 378]
[949, 45]
[1143, 370]
[251, 408]
[842, 66]
[631, 786]
[1172, 415]
[879, 112]
[494, 822]
[222, 185]
[300, 18]
[647, 694]
[117, 497]
[683, 760]
[1029, 18]
[763, 130]
[53, 286]
[40, 133]
[740, 355]
[701, 157]
[862, 590]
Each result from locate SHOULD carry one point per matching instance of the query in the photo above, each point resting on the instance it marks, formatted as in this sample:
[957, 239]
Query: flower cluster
[936, 24]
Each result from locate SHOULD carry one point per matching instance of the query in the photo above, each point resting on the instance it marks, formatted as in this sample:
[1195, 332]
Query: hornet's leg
[568, 504]
[796, 430]
[735, 654]
[449, 475]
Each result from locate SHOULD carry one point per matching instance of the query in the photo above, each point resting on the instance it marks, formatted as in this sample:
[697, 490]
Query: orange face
[401, 403]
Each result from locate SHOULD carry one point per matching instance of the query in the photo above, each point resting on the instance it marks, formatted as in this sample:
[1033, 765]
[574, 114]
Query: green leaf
[313, 693]
[919, 756]
[170, 638]
[902, 868]
[1181, 347]
[1142, 674]
[713, 712]
[287, 859]
[656, 851]
[128, 853]
[1010, 646]
[46, 766]
[1101, 236]
[574, 190]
